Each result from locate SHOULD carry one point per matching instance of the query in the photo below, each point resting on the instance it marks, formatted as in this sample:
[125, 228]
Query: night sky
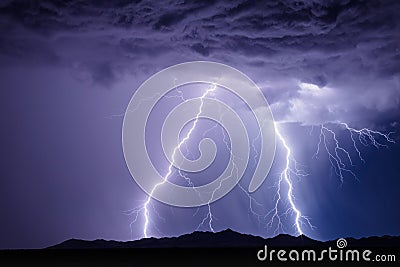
[68, 72]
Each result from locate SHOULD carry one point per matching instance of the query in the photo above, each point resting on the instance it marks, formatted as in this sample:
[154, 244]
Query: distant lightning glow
[170, 168]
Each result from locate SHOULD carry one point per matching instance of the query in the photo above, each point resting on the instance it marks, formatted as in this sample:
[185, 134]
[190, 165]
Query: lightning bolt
[367, 134]
[170, 167]
[285, 177]
[339, 156]
[335, 158]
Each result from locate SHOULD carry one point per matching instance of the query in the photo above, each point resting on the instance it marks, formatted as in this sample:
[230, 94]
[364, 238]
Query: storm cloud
[348, 49]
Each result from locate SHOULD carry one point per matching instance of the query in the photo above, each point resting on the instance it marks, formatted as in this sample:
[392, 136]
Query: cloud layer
[348, 49]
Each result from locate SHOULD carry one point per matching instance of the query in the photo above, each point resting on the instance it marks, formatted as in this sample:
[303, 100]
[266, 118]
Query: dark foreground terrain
[203, 249]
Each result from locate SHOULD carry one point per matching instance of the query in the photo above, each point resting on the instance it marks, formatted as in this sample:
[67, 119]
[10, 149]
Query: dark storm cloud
[350, 49]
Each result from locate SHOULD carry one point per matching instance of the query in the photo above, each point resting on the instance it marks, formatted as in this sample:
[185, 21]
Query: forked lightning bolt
[339, 157]
[170, 167]
[366, 134]
[335, 158]
[285, 177]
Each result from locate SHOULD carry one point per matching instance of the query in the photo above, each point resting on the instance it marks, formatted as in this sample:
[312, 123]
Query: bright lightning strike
[340, 159]
[285, 177]
[170, 168]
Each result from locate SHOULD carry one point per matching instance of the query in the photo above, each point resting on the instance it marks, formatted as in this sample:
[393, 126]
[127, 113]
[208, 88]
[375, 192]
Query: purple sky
[68, 71]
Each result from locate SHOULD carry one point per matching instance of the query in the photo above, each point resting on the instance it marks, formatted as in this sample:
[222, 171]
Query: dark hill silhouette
[225, 239]
[225, 248]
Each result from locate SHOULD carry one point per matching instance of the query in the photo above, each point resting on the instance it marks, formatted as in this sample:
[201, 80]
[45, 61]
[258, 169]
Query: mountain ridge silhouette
[225, 239]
